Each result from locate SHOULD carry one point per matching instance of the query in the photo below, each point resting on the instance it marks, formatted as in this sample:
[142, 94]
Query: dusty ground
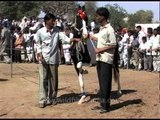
[19, 94]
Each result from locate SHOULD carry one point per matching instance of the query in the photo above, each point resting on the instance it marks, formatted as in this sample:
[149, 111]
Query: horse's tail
[115, 74]
[116, 64]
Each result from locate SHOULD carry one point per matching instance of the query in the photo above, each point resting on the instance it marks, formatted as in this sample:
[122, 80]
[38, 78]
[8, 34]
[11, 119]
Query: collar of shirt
[47, 30]
[102, 27]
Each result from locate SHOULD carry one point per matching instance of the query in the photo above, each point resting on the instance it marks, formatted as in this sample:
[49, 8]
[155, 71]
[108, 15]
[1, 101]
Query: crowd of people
[139, 50]
[21, 44]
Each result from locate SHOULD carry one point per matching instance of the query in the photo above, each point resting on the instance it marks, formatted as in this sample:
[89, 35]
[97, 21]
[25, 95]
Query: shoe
[96, 99]
[8, 61]
[68, 63]
[92, 65]
[51, 102]
[149, 70]
[96, 108]
[104, 110]
[42, 105]
[54, 102]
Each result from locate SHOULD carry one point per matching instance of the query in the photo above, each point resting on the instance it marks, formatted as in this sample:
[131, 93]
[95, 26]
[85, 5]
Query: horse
[78, 50]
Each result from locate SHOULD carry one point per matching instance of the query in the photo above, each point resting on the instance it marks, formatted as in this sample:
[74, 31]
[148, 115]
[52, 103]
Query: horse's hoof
[119, 92]
[82, 100]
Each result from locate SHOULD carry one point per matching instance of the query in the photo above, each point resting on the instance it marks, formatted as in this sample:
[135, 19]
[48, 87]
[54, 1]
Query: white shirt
[156, 44]
[140, 35]
[143, 46]
[106, 37]
[47, 44]
[149, 45]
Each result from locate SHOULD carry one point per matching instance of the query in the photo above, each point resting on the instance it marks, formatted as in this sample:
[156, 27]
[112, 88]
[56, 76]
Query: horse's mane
[78, 26]
[78, 22]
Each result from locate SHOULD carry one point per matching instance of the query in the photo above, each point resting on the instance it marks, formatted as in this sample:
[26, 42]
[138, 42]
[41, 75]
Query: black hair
[139, 27]
[144, 38]
[49, 16]
[102, 11]
[150, 30]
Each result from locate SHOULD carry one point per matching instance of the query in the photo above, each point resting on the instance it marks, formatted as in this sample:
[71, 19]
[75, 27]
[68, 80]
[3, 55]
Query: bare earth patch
[19, 94]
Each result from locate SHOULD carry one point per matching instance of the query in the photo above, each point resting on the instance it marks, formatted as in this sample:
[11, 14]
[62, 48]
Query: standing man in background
[5, 39]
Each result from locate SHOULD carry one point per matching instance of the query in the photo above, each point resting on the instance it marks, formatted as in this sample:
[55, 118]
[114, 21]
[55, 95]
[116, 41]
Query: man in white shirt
[142, 54]
[5, 47]
[149, 62]
[156, 51]
[48, 43]
[106, 44]
[140, 34]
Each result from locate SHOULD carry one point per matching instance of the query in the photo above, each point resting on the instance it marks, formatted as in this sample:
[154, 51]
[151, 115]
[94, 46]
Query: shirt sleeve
[38, 42]
[112, 38]
[63, 38]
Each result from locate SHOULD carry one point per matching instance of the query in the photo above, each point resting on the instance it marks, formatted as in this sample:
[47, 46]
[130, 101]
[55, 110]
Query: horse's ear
[79, 7]
[83, 8]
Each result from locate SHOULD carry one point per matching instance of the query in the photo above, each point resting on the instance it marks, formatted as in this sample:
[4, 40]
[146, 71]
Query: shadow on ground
[3, 80]
[114, 94]
[126, 103]
[68, 98]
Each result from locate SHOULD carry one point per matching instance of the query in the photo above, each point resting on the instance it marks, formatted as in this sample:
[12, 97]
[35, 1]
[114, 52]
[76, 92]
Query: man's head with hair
[49, 20]
[49, 16]
[138, 28]
[158, 29]
[149, 32]
[102, 11]
[155, 31]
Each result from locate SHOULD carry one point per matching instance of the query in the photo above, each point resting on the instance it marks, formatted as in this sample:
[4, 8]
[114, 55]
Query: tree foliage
[140, 16]
[58, 7]
[117, 14]
[18, 9]
[90, 10]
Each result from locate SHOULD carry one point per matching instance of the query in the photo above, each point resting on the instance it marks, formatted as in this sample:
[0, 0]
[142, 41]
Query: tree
[18, 9]
[117, 14]
[6, 9]
[58, 7]
[140, 16]
[90, 10]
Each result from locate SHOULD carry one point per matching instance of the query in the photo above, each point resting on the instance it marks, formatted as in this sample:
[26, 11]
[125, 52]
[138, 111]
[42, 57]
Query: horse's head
[80, 22]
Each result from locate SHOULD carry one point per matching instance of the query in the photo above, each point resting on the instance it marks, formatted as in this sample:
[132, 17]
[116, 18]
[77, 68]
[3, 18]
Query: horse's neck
[81, 27]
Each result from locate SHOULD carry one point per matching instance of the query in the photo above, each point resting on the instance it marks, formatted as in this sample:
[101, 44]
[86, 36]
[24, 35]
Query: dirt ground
[19, 94]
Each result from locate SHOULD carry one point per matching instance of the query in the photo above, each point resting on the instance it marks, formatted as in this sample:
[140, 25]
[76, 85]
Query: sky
[134, 6]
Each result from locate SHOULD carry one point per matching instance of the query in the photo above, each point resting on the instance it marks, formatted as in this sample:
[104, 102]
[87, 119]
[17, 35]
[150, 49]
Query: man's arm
[39, 47]
[104, 49]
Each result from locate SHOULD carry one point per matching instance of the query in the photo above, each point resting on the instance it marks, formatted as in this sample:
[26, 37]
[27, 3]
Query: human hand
[97, 50]
[40, 57]
[76, 39]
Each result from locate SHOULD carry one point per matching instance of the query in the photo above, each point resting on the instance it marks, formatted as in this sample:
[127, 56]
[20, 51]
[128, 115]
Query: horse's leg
[80, 78]
[81, 83]
[118, 82]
